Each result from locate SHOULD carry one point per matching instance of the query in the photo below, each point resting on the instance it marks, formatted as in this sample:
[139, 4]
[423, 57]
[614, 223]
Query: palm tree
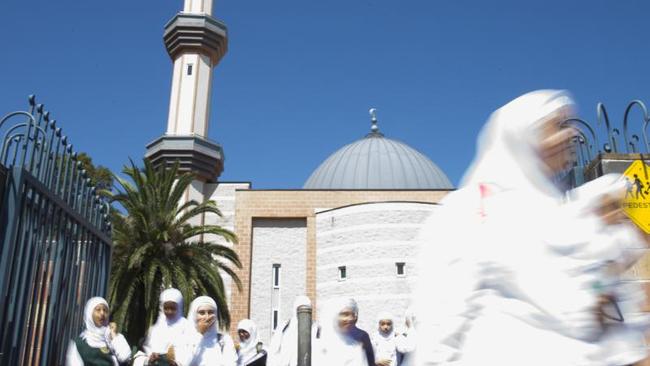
[155, 247]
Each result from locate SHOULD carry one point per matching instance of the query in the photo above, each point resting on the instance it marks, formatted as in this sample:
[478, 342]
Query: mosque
[350, 231]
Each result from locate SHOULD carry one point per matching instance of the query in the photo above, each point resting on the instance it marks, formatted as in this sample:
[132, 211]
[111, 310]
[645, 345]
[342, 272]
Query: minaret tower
[195, 42]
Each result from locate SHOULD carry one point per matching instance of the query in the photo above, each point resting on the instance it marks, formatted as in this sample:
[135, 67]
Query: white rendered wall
[280, 241]
[368, 240]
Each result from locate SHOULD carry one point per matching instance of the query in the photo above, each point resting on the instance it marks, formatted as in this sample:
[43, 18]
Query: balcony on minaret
[195, 42]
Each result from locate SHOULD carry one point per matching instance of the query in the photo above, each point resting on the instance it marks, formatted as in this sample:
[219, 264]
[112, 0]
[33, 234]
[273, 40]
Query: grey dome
[377, 162]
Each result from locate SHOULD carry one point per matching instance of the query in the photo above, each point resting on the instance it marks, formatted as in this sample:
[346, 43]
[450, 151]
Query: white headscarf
[507, 145]
[384, 315]
[95, 336]
[248, 348]
[166, 332]
[170, 295]
[385, 343]
[336, 347]
[203, 301]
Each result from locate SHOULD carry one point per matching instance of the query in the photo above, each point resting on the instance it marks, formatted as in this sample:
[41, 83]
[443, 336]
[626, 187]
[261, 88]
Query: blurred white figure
[211, 347]
[341, 343]
[407, 339]
[283, 350]
[492, 289]
[615, 246]
[386, 343]
[249, 345]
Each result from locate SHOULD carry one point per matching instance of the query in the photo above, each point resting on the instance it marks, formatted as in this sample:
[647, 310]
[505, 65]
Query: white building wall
[368, 239]
[281, 241]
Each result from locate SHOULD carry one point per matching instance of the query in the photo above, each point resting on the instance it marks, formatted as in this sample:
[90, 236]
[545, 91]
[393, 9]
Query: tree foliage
[100, 176]
[156, 247]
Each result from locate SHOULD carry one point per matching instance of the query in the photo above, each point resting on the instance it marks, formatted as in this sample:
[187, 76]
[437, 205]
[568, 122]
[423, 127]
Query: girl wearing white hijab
[283, 350]
[385, 341]
[97, 345]
[496, 291]
[248, 345]
[211, 347]
[341, 343]
[171, 331]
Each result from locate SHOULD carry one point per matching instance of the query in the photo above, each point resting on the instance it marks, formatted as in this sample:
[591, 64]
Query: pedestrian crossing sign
[636, 204]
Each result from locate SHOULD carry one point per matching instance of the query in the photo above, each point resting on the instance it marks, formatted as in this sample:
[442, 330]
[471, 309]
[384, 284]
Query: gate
[55, 246]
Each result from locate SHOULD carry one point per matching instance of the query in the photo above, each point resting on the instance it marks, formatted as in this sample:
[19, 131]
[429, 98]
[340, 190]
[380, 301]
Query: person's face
[385, 326]
[170, 309]
[555, 147]
[205, 316]
[346, 320]
[100, 315]
[243, 335]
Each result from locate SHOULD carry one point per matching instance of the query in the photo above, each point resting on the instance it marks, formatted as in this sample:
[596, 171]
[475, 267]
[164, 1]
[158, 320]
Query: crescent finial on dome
[373, 119]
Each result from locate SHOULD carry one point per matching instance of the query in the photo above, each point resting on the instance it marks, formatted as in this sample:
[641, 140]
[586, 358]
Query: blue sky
[300, 75]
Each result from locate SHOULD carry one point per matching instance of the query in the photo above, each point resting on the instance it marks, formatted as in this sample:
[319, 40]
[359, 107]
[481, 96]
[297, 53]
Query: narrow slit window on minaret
[189, 70]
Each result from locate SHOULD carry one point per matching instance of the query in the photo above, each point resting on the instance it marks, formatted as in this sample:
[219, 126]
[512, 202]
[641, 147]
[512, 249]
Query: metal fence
[55, 246]
[588, 149]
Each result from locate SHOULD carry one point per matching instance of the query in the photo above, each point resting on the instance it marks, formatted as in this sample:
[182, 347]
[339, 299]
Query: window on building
[400, 266]
[189, 69]
[276, 275]
[275, 319]
[342, 273]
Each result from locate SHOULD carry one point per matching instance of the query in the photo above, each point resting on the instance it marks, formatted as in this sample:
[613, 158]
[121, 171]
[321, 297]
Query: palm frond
[155, 246]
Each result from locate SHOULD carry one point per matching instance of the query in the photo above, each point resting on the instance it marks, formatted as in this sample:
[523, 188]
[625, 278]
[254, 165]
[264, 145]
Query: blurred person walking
[407, 339]
[613, 248]
[496, 290]
[283, 350]
[340, 342]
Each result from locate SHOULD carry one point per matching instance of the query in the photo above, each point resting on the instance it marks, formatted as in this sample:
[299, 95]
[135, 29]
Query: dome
[377, 162]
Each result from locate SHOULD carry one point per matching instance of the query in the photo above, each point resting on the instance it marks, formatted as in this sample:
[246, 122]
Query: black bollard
[304, 335]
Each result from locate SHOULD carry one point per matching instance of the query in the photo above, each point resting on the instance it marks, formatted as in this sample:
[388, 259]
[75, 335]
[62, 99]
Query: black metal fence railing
[55, 245]
[587, 147]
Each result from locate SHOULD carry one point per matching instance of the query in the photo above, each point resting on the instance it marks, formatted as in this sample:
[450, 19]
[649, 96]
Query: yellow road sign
[637, 195]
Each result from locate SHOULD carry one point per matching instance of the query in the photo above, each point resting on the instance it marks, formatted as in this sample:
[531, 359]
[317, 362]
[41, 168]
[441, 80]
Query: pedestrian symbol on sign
[636, 204]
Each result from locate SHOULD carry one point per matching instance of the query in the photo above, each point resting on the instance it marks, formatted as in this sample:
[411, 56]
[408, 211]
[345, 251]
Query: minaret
[195, 42]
